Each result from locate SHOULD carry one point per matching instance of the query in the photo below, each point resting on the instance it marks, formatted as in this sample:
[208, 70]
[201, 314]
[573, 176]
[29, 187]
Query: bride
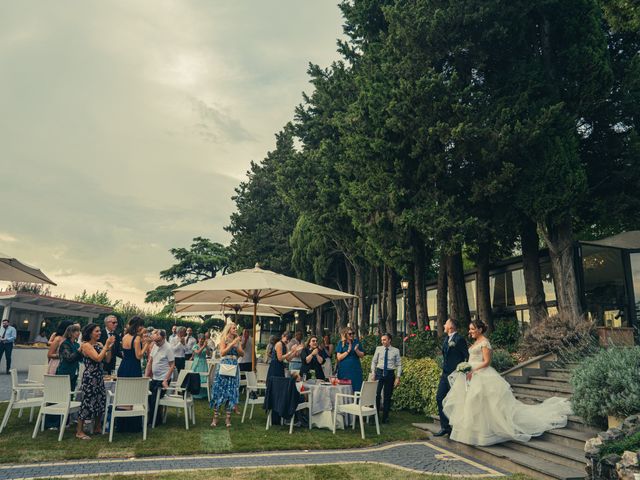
[482, 409]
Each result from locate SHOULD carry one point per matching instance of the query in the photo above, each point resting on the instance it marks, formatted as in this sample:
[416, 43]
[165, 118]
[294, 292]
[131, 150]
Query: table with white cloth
[324, 401]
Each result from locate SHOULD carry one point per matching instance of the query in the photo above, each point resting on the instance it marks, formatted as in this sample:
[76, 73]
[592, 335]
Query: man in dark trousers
[386, 366]
[110, 326]
[454, 351]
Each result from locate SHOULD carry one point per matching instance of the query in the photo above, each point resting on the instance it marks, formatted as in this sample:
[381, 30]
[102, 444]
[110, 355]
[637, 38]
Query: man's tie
[386, 362]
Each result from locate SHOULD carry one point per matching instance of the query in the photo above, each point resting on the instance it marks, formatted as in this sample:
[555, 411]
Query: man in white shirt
[8, 336]
[179, 345]
[173, 333]
[386, 365]
[159, 367]
[245, 362]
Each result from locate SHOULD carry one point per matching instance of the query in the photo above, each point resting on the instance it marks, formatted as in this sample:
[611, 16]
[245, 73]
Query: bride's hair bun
[480, 325]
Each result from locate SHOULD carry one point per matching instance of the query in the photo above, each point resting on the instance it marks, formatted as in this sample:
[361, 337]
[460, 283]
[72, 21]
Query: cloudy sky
[125, 125]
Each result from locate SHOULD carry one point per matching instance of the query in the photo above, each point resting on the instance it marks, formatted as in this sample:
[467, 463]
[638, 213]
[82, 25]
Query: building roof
[51, 305]
[625, 240]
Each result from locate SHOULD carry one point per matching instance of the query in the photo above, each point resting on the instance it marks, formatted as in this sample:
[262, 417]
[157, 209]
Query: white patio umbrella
[235, 308]
[13, 270]
[258, 286]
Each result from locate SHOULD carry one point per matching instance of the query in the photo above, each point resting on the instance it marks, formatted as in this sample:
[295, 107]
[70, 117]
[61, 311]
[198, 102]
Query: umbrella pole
[253, 343]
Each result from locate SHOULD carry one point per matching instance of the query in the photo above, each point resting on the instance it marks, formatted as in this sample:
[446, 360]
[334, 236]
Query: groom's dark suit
[451, 357]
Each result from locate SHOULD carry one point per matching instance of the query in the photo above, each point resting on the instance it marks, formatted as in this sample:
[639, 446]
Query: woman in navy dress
[280, 355]
[132, 349]
[349, 352]
[94, 394]
[226, 389]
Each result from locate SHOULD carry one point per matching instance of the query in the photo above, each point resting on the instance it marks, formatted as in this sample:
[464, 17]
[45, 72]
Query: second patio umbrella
[256, 286]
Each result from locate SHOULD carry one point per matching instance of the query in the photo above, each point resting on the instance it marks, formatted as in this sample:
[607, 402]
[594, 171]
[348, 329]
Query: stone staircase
[557, 454]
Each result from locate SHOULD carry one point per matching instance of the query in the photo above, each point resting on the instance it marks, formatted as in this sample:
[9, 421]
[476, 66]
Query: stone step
[542, 390]
[550, 381]
[541, 468]
[506, 458]
[567, 456]
[558, 372]
[567, 437]
[533, 371]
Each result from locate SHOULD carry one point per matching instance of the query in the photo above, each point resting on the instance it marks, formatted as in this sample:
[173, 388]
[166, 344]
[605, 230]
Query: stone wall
[613, 466]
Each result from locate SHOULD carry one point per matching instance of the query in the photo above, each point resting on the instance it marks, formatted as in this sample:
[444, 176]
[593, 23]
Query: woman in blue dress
[132, 349]
[349, 352]
[200, 363]
[226, 389]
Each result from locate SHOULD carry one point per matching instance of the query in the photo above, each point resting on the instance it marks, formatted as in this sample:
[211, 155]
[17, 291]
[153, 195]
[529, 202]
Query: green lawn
[173, 439]
[344, 472]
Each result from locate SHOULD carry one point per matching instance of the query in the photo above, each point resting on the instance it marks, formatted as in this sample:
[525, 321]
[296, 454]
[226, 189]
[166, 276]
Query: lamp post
[405, 286]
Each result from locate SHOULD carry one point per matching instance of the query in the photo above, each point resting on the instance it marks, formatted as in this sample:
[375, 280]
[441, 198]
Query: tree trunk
[533, 286]
[341, 315]
[442, 313]
[382, 310]
[410, 305]
[361, 318]
[419, 291]
[559, 239]
[457, 290]
[483, 293]
[351, 303]
[319, 329]
[392, 308]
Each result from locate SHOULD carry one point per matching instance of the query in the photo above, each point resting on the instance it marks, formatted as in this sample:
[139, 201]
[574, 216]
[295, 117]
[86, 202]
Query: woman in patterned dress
[226, 389]
[94, 395]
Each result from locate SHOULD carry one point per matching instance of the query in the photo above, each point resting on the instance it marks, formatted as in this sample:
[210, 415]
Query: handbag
[228, 370]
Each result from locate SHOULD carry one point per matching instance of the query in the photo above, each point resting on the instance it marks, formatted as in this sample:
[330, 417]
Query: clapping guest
[70, 355]
[200, 363]
[53, 354]
[110, 330]
[281, 353]
[326, 350]
[226, 388]
[94, 395]
[134, 346]
[349, 352]
[270, 347]
[312, 359]
[179, 345]
[296, 345]
[190, 342]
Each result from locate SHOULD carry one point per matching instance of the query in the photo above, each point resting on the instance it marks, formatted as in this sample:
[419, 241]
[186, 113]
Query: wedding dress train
[484, 411]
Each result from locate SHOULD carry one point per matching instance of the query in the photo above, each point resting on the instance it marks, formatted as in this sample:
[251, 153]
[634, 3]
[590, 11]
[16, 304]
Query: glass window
[519, 292]
[498, 285]
[635, 274]
[604, 284]
[432, 302]
[547, 282]
[471, 294]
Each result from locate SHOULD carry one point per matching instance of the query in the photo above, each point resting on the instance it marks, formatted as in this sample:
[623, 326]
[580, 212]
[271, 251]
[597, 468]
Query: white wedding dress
[484, 410]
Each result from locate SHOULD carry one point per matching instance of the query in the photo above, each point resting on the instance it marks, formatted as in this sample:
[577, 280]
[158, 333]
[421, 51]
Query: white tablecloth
[324, 401]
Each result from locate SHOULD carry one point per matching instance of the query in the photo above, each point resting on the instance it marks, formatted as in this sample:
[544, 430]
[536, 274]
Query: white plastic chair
[34, 382]
[188, 365]
[17, 402]
[56, 401]
[177, 397]
[252, 387]
[36, 374]
[364, 405]
[207, 381]
[301, 406]
[261, 372]
[131, 393]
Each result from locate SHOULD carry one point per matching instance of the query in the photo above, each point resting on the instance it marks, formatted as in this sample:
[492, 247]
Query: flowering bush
[421, 343]
[567, 336]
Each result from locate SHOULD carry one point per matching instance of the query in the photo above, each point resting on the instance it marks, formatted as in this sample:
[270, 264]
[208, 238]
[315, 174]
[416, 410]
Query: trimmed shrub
[418, 385]
[502, 360]
[570, 338]
[607, 383]
[423, 344]
[506, 334]
[369, 344]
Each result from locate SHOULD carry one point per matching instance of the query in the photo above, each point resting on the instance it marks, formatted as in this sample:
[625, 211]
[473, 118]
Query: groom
[454, 351]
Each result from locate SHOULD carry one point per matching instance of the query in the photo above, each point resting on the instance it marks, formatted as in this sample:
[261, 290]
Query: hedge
[418, 385]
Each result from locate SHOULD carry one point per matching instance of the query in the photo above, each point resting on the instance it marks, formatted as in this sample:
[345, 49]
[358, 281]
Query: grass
[173, 439]
[344, 472]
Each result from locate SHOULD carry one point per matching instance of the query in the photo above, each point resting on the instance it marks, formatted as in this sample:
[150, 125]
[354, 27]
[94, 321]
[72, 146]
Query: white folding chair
[301, 406]
[364, 405]
[261, 372]
[177, 397]
[133, 394]
[252, 387]
[17, 401]
[56, 401]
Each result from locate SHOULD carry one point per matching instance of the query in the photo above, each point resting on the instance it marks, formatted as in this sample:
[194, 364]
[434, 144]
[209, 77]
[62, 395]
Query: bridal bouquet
[464, 367]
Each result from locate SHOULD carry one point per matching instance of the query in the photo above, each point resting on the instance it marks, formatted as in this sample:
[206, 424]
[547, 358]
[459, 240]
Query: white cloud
[7, 238]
